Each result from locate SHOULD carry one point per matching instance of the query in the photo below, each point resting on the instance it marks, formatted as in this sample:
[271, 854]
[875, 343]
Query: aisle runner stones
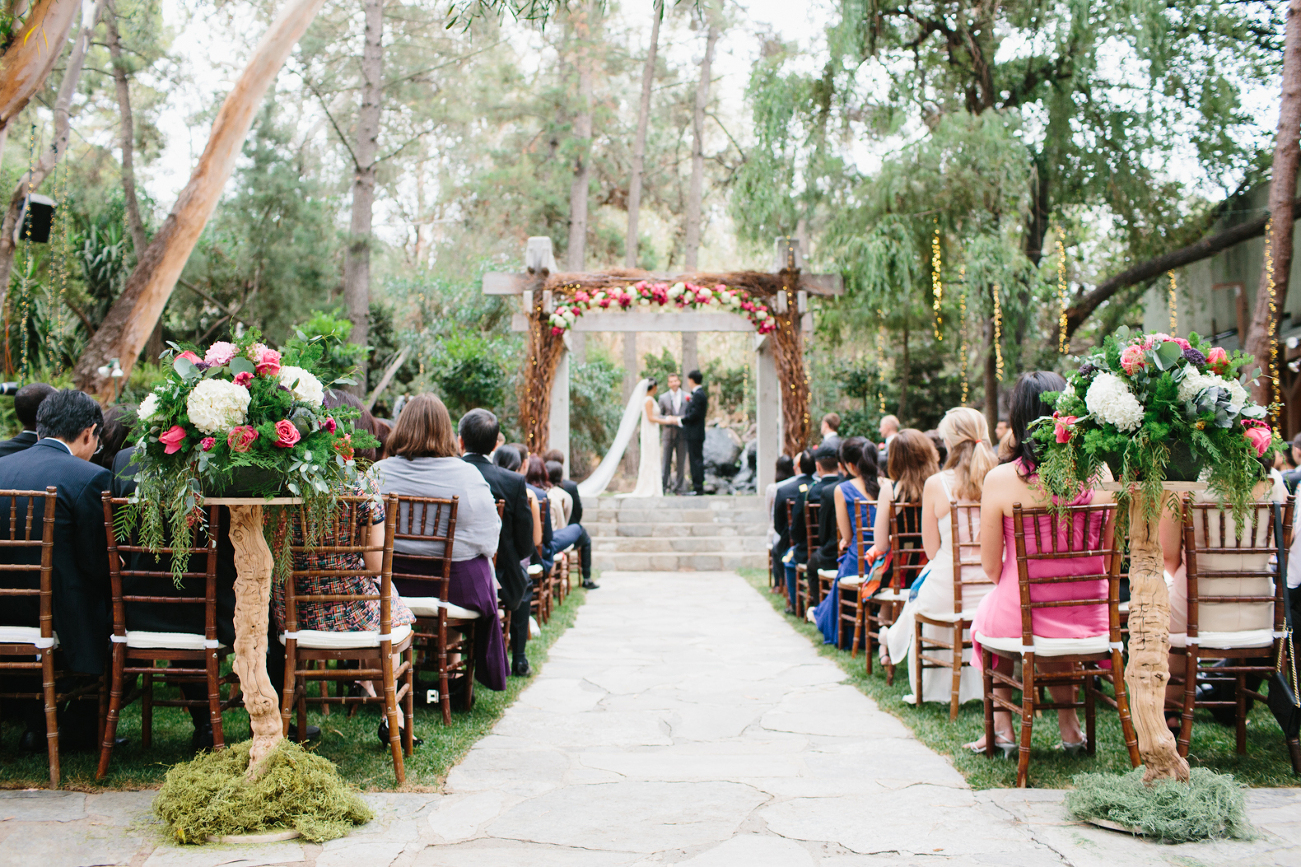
[680, 721]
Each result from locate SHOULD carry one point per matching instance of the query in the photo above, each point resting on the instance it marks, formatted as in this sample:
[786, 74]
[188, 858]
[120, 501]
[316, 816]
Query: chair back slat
[1239, 554]
[35, 529]
[862, 523]
[811, 510]
[964, 533]
[430, 522]
[906, 543]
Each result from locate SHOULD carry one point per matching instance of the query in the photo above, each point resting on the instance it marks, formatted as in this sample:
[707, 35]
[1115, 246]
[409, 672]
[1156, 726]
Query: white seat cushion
[1050, 646]
[535, 569]
[1226, 640]
[891, 596]
[23, 635]
[315, 638]
[565, 550]
[427, 606]
[850, 581]
[951, 618]
[827, 573]
[1123, 607]
[164, 640]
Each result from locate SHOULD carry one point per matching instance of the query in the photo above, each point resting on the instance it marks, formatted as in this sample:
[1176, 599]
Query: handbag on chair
[1284, 697]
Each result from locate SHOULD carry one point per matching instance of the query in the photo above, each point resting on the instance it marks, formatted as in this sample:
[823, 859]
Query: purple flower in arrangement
[1195, 356]
[1088, 370]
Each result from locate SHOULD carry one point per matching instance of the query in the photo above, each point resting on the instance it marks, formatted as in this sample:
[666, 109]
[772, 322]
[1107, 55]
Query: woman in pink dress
[999, 615]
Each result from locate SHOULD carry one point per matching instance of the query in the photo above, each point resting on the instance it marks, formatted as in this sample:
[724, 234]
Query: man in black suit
[822, 551]
[26, 401]
[692, 423]
[786, 493]
[478, 438]
[67, 424]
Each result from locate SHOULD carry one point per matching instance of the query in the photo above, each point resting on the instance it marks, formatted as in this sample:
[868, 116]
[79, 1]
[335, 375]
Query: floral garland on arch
[681, 295]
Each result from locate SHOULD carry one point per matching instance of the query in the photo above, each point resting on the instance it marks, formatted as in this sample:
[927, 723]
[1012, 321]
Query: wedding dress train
[649, 480]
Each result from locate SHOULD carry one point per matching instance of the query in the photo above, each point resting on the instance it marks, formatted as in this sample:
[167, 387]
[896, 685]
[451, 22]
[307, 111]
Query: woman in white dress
[642, 405]
[966, 434]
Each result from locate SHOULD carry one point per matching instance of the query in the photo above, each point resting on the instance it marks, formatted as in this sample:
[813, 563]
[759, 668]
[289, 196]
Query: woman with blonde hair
[970, 457]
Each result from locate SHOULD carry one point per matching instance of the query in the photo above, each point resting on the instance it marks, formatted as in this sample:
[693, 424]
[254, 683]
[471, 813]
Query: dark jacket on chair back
[80, 556]
[20, 443]
[786, 493]
[516, 542]
[570, 487]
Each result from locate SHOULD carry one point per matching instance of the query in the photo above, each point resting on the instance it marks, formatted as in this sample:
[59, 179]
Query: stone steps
[607, 529]
[633, 561]
[678, 544]
[677, 533]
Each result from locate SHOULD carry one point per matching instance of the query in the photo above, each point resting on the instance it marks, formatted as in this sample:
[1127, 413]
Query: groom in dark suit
[692, 423]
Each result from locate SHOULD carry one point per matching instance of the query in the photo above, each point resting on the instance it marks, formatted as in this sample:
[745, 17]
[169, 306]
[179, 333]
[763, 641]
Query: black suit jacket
[20, 443]
[785, 494]
[570, 487]
[693, 419]
[819, 553]
[516, 540]
[169, 617]
[80, 579]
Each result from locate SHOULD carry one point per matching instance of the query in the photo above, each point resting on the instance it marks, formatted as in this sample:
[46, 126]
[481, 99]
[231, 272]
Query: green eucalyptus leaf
[185, 368]
[241, 365]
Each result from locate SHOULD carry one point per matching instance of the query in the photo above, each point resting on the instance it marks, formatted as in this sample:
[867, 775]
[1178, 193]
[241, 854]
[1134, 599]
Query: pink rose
[556, 331]
[173, 439]
[207, 443]
[190, 357]
[1218, 360]
[268, 363]
[1259, 435]
[330, 424]
[1132, 359]
[220, 353]
[244, 378]
[344, 447]
[286, 434]
[1063, 426]
[241, 439]
[1183, 344]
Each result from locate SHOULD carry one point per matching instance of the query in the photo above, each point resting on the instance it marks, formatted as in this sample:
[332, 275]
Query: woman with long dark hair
[856, 513]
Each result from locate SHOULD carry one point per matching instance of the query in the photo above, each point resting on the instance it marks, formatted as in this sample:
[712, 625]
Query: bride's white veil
[593, 485]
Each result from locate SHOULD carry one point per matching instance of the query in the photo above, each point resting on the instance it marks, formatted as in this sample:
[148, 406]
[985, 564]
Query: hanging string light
[880, 360]
[937, 283]
[1063, 343]
[1172, 301]
[26, 300]
[1272, 373]
[998, 335]
[962, 331]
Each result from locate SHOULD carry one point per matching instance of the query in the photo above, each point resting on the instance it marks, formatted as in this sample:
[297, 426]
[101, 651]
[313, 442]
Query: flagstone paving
[680, 721]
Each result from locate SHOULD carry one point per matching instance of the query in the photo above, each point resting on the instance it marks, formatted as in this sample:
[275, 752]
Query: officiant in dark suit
[674, 403]
[692, 423]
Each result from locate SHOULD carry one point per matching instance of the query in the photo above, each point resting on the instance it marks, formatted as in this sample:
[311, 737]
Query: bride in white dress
[642, 413]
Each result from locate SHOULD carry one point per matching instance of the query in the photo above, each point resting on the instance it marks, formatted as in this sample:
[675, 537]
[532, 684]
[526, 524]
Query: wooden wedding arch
[781, 379]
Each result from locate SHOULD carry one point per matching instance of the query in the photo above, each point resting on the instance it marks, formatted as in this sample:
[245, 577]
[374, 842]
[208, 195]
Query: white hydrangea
[217, 405]
[305, 387]
[1110, 399]
[1195, 382]
[1237, 393]
[148, 407]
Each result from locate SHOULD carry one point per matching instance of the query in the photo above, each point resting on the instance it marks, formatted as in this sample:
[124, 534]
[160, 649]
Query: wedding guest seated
[803, 549]
[569, 486]
[912, 461]
[510, 457]
[68, 424]
[572, 533]
[116, 431]
[970, 457]
[781, 527]
[26, 401]
[1291, 477]
[999, 615]
[941, 449]
[426, 462]
[783, 471]
[480, 435]
[824, 553]
[532, 475]
[854, 504]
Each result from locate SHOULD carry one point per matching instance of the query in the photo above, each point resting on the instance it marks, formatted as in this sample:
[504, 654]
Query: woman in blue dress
[855, 516]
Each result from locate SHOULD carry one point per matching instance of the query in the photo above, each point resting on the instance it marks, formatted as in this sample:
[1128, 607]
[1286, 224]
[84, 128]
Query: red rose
[245, 378]
[172, 439]
[286, 434]
[190, 357]
[241, 439]
[330, 425]
[268, 363]
[1259, 435]
[207, 443]
[1218, 360]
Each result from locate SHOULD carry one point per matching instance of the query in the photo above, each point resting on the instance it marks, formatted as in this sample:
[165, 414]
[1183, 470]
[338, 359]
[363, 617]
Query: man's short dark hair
[827, 458]
[807, 464]
[478, 430]
[65, 414]
[695, 377]
[832, 420]
[554, 455]
[28, 399]
[555, 472]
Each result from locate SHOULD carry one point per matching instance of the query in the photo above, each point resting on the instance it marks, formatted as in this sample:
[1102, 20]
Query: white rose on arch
[676, 290]
[304, 385]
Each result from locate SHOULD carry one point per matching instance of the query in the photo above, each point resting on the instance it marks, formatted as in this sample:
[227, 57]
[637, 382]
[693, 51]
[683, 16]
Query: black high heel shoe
[384, 736]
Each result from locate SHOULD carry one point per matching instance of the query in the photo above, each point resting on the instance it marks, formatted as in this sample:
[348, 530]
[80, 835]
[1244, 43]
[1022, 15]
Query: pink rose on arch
[268, 363]
[1132, 360]
[330, 424]
[190, 357]
[240, 439]
[244, 378]
[1062, 426]
[286, 434]
[556, 331]
[220, 353]
[605, 303]
[1218, 360]
[207, 443]
[1259, 435]
[172, 439]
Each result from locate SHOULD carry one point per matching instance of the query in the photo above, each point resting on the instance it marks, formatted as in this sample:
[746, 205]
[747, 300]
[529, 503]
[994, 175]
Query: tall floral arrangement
[1154, 408]
[645, 293]
[238, 420]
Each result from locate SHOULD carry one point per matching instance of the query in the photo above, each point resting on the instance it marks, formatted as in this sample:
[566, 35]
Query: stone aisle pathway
[680, 721]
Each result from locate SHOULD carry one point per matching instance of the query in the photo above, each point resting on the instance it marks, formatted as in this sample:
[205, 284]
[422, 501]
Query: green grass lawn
[350, 743]
[1265, 764]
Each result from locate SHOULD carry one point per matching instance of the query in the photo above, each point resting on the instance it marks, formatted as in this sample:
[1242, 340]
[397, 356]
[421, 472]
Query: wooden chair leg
[391, 713]
[867, 634]
[214, 700]
[1028, 693]
[291, 685]
[114, 710]
[987, 672]
[409, 704]
[1240, 712]
[51, 716]
[444, 681]
[147, 710]
[1190, 702]
[1089, 684]
[955, 694]
[469, 665]
[918, 669]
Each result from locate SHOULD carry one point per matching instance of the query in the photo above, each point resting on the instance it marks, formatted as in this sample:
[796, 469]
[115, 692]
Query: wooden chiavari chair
[908, 559]
[802, 582]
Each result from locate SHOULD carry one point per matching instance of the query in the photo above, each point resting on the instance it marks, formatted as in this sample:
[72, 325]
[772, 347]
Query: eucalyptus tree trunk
[576, 249]
[696, 190]
[62, 131]
[356, 263]
[31, 55]
[1282, 189]
[639, 143]
[133, 315]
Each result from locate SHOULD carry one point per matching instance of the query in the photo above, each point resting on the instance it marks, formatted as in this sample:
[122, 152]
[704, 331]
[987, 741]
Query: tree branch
[326, 108]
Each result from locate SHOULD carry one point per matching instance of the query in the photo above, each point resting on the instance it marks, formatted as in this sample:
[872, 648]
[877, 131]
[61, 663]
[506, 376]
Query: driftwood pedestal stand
[253, 564]
[1148, 670]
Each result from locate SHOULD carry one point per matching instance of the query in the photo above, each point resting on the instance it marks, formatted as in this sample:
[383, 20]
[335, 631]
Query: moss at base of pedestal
[211, 796]
[1210, 806]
